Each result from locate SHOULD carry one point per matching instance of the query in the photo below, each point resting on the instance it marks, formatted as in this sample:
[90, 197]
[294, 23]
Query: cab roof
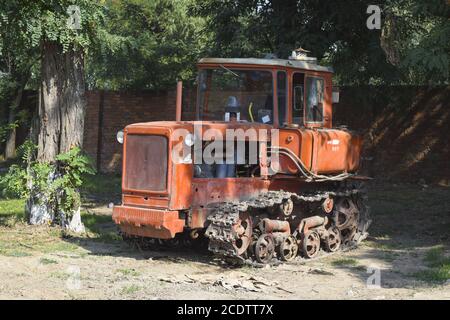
[298, 64]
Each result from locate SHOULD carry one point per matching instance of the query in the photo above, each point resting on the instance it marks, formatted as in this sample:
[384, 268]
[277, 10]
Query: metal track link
[220, 229]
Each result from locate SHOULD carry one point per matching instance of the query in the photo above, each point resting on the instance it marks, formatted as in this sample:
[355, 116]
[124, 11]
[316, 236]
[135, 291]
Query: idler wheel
[346, 213]
[311, 244]
[242, 234]
[288, 249]
[264, 248]
[333, 240]
[286, 207]
[327, 205]
[346, 219]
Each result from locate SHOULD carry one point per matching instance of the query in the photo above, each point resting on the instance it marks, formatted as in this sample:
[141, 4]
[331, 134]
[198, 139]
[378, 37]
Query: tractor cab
[293, 96]
[282, 93]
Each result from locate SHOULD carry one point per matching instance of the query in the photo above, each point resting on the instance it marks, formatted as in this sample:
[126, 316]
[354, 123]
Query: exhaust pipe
[311, 222]
[179, 100]
[272, 226]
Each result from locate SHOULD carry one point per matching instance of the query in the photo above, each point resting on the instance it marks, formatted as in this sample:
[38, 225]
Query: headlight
[189, 140]
[188, 158]
[119, 136]
[197, 170]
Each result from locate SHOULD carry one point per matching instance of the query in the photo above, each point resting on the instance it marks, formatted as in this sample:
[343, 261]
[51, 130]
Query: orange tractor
[261, 174]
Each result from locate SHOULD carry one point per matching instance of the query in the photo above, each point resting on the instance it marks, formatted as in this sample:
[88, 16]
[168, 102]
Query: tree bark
[60, 122]
[10, 146]
[62, 102]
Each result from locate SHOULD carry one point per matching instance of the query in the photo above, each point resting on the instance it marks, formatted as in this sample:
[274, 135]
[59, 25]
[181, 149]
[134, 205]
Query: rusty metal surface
[145, 200]
[148, 222]
[162, 199]
[335, 151]
[321, 151]
[146, 169]
[300, 142]
[264, 63]
[270, 226]
[226, 216]
[179, 100]
[207, 191]
[311, 222]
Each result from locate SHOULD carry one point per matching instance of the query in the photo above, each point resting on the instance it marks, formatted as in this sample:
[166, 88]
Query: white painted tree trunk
[38, 213]
[75, 224]
[61, 115]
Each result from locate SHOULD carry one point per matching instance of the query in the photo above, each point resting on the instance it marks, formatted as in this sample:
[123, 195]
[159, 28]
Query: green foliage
[428, 56]
[411, 48]
[72, 166]
[438, 262]
[47, 20]
[57, 183]
[155, 43]
[141, 44]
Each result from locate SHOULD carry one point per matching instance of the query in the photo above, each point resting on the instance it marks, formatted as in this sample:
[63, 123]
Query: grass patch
[46, 261]
[128, 272]
[16, 253]
[31, 239]
[438, 264]
[100, 227]
[91, 221]
[130, 289]
[435, 275]
[110, 237]
[60, 275]
[435, 257]
[25, 239]
[344, 262]
[57, 246]
[102, 185]
[11, 211]
[20, 239]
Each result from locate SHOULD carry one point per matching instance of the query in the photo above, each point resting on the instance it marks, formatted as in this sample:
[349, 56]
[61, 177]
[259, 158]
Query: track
[236, 233]
[258, 231]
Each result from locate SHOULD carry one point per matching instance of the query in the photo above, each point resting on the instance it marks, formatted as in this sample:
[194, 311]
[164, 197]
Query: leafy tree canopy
[140, 44]
[412, 46]
[163, 42]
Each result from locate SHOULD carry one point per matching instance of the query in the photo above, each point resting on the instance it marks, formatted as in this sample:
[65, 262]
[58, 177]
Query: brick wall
[405, 128]
[111, 112]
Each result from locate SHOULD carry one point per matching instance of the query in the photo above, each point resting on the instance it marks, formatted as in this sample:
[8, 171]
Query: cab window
[282, 94]
[315, 96]
[298, 98]
[251, 90]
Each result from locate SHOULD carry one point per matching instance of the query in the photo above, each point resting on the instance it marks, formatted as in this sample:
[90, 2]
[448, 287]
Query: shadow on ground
[409, 221]
[409, 240]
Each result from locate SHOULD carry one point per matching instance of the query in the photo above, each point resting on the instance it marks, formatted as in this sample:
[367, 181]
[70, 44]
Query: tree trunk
[62, 102]
[61, 112]
[10, 146]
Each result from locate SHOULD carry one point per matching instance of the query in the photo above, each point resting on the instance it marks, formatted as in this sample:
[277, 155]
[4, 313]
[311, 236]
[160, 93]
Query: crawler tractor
[283, 182]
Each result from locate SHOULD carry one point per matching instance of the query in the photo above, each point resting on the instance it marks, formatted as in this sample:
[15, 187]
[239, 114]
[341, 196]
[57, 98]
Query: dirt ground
[408, 252]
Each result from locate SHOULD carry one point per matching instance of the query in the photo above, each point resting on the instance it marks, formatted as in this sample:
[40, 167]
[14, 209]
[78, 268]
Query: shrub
[55, 185]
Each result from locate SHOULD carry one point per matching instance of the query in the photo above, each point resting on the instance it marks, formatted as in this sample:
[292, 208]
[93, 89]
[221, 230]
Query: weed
[47, 261]
[344, 262]
[130, 289]
[128, 272]
[438, 264]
